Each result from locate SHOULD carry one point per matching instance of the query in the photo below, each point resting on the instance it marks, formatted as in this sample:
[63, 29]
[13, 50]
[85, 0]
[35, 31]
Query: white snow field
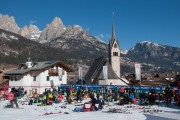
[135, 112]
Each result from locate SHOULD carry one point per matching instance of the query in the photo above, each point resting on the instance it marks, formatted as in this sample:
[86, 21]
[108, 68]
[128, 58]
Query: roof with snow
[38, 66]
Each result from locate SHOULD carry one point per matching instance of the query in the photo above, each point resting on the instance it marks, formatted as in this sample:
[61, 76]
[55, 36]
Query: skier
[11, 98]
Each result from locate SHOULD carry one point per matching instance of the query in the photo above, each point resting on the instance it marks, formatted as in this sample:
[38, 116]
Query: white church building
[38, 76]
[107, 71]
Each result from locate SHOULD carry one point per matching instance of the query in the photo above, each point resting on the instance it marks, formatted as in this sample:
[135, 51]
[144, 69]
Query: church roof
[111, 73]
[96, 70]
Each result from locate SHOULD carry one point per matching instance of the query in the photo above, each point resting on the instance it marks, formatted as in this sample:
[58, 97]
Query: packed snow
[35, 112]
[146, 42]
[13, 37]
[155, 44]
[77, 26]
[35, 34]
[132, 49]
[4, 36]
[124, 51]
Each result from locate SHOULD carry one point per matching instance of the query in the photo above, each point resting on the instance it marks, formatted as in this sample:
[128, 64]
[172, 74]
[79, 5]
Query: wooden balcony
[53, 72]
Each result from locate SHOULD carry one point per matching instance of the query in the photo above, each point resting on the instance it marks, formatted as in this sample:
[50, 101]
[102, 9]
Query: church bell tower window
[115, 53]
[115, 45]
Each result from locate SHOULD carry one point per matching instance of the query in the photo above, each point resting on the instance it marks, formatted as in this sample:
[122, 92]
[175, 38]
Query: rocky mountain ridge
[78, 46]
[53, 30]
[147, 49]
[56, 31]
[31, 32]
[156, 56]
[8, 23]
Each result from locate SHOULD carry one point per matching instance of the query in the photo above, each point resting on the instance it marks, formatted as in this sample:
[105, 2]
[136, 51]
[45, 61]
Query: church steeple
[111, 42]
[114, 52]
[113, 29]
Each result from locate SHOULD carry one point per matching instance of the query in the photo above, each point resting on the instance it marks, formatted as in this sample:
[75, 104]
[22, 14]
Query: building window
[35, 90]
[11, 78]
[15, 78]
[60, 77]
[115, 45]
[115, 53]
[34, 78]
[47, 78]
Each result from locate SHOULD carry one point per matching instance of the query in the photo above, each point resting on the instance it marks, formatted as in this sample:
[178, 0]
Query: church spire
[113, 29]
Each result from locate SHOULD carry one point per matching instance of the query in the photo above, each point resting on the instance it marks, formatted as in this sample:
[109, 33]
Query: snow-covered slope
[32, 32]
[34, 112]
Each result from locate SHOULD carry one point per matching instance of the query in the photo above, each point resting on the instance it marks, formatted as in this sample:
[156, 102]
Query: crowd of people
[121, 96]
[167, 96]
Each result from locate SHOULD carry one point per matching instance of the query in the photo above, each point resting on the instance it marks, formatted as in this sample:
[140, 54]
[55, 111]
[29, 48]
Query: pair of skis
[52, 113]
[114, 110]
[153, 111]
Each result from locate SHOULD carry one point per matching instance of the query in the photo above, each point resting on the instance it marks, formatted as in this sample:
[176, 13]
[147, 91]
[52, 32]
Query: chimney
[29, 64]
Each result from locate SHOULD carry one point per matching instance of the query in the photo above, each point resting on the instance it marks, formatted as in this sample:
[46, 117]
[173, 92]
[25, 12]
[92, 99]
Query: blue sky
[135, 20]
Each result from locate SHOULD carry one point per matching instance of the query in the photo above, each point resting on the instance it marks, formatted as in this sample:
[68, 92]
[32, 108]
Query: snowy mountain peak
[124, 51]
[32, 32]
[24, 32]
[100, 40]
[149, 49]
[147, 42]
[57, 22]
[53, 30]
[8, 23]
[33, 28]
[78, 26]
[131, 49]
[152, 44]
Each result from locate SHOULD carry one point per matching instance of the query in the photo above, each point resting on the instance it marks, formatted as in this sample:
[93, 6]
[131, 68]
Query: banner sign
[80, 73]
[60, 74]
[141, 89]
[105, 72]
[138, 71]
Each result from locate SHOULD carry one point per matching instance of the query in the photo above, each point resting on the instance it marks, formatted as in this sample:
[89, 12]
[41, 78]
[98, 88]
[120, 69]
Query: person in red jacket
[16, 95]
[60, 97]
[70, 89]
[11, 98]
[122, 91]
